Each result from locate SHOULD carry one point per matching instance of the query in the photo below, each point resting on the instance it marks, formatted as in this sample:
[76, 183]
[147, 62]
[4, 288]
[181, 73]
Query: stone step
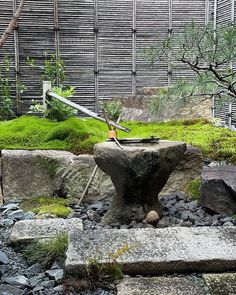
[155, 251]
[160, 286]
[221, 283]
[28, 230]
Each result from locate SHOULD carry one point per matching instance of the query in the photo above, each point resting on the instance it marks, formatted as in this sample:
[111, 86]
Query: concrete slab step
[155, 251]
[28, 230]
[160, 286]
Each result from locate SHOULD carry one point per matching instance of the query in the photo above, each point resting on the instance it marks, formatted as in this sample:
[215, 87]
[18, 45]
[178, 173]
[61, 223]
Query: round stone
[152, 217]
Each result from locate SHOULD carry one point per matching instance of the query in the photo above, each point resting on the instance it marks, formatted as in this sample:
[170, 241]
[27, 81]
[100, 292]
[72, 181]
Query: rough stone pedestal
[138, 172]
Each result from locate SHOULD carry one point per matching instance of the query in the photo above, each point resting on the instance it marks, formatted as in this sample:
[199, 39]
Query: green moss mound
[193, 189]
[79, 135]
[44, 205]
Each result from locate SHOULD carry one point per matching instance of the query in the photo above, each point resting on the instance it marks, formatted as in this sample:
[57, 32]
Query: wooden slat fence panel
[152, 18]
[36, 40]
[6, 10]
[184, 12]
[76, 46]
[115, 20]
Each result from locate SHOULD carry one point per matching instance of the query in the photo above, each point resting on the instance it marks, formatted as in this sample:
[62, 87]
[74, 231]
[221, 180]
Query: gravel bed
[21, 279]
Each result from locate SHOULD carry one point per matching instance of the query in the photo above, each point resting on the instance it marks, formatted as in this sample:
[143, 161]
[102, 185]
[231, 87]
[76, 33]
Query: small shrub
[193, 189]
[46, 252]
[113, 109]
[99, 274]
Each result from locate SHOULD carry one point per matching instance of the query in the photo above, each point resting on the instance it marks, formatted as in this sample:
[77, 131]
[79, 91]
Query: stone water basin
[138, 171]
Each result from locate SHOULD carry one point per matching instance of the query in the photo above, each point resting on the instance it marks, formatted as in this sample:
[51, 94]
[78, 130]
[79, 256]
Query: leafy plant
[53, 68]
[100, 273]
[113, 109]
[6, 109]
[57, 110]
[46, 252]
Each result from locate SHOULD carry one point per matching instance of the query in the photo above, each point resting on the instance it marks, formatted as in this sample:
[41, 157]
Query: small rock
[186, 223]
[164, 222]
[55, 274]
[59, 288]
[152, 217]
[35, 268]
[228, 223]
[6, 222]
[29, 215]
[223, 220]
[132, 224]
[3, 258]
[3, 269]
[74, 214]
[47, 284]
[38, 288]
[20, 281]
[192, 206]
[16, 215]
[10, 290]
[96, 206]
[11, 206]
[35, 281]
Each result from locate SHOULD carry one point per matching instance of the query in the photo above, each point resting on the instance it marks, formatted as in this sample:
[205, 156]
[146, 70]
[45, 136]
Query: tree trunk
[12, 24]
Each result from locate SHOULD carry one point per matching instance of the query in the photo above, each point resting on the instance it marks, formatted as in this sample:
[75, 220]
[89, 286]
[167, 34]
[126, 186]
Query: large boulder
[189, 168]
[138, 172]
[27, 174]
[218, 189]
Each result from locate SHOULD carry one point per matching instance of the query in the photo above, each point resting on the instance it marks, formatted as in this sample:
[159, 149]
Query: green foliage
[100, 272]
[80, 135]
[113, 109]
[41, 205]
[193, 189]
[205, 51]
[6, 107]
[53, 68]
[57, 111]
[46, 252]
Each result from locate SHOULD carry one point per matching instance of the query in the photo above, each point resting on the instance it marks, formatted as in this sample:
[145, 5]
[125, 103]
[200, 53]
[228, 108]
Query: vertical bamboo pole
[206, 12]
[17, 60]
[96, 56]
[134, 37]
[170, 36]
[56, 33]
[230, 115]
[215, 14]
[232, 10]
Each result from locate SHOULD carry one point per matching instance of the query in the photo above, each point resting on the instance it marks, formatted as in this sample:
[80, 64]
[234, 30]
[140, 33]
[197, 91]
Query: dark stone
[218, 189]
[3, 258]
[55, 274]
[16, 215]
[20, 281]
[10, 290]
[138, 172]
[3, 269]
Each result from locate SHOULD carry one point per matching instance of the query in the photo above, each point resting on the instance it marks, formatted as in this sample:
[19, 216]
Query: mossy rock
[57, 207]
[193, 189]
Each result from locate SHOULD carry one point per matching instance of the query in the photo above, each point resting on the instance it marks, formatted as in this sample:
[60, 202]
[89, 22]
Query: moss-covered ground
[80, 135]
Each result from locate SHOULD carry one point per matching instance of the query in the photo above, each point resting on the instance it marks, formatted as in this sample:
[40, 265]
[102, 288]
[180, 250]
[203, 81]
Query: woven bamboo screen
[101, 42]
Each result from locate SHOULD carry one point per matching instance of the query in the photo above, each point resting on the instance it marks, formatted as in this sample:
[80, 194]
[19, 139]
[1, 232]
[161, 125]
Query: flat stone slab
[221, 283]
[27, 230]
[158, 285]
[155, 251]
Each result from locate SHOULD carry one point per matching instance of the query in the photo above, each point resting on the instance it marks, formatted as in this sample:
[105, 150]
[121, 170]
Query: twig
[88, 184]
